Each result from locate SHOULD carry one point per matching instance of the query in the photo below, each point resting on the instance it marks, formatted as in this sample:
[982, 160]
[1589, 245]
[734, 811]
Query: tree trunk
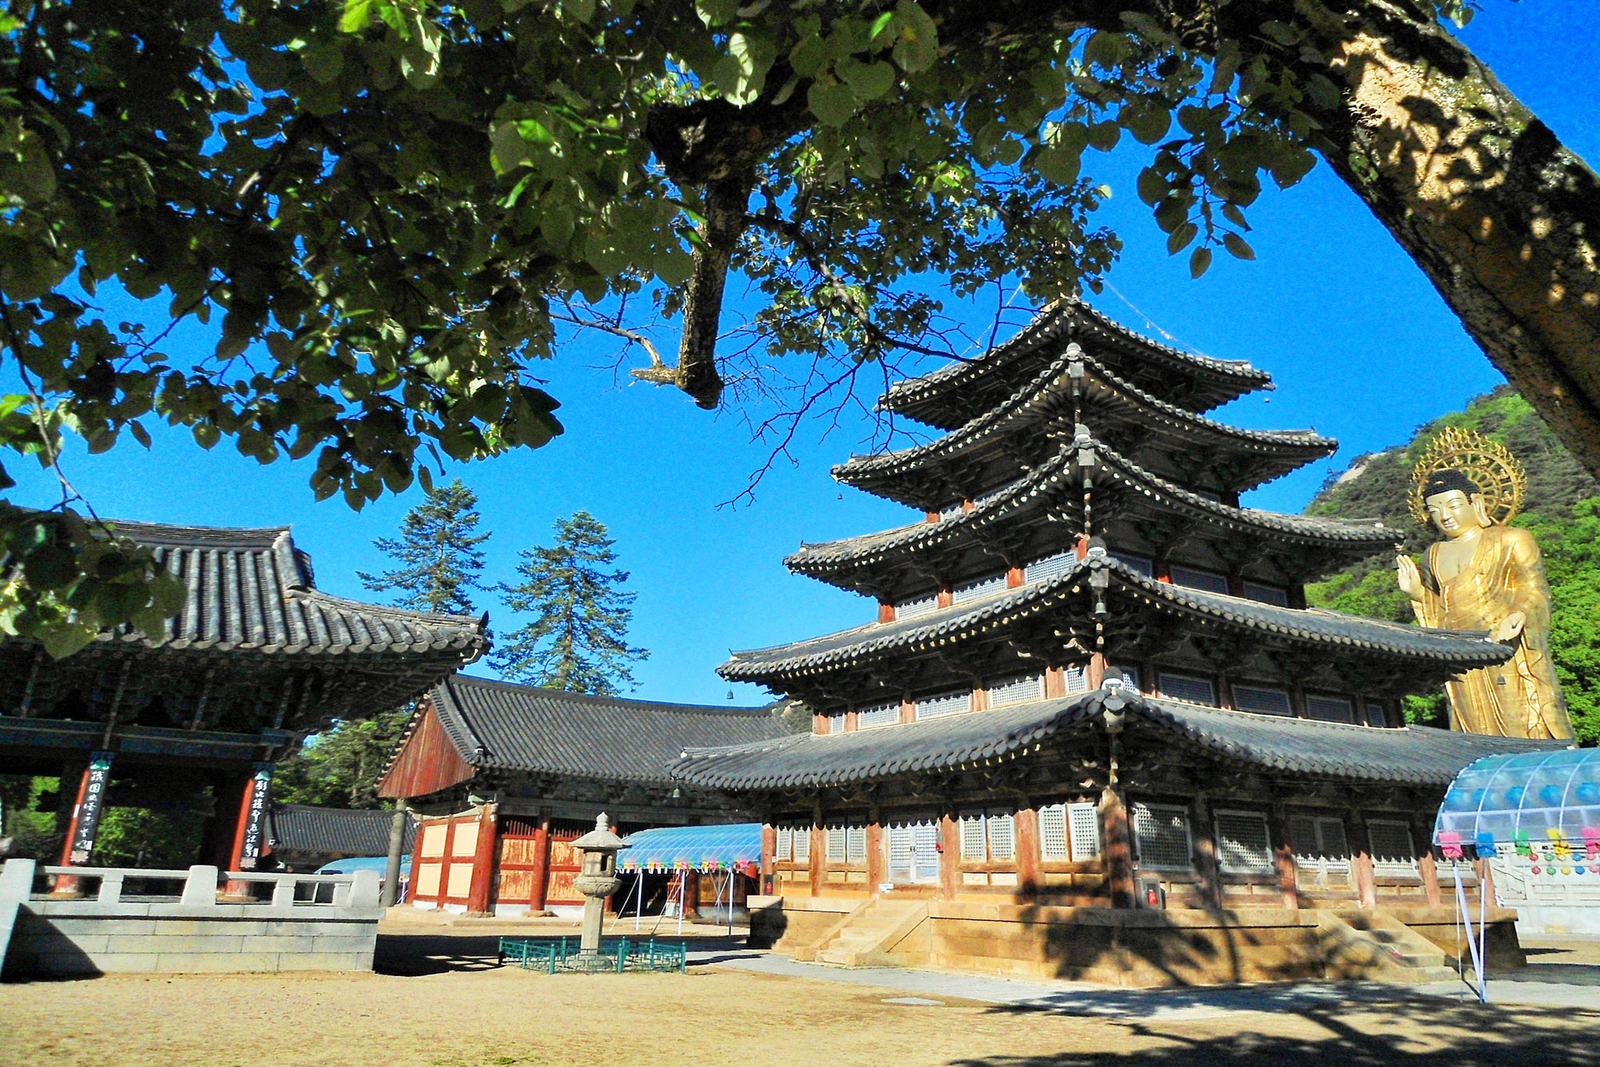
[1501, 217]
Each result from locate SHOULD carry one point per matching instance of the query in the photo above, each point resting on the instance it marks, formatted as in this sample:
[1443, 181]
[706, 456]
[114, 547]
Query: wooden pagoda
[194, 717]
[1093, 685]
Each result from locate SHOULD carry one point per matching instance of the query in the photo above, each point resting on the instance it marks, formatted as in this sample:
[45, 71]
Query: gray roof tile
[303, 828]
[1301, 747]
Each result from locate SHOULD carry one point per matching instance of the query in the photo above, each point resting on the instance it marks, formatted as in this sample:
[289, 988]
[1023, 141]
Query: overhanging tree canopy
[391, 204]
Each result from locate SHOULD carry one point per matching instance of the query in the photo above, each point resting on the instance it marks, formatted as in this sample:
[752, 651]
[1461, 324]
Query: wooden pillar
[1361, 861]
[1015, 578]
[949, 856]
[1118, 838]
[1055, 683]
[82, 817]
[1027, 845]
[249, 836]
[480, 894]
[819, 857]
[1207, 864]
[876, 860]
[1283, 855]
[233, 805]
[885, 611]
[1422, 832]
[769, 851]
[541, 864]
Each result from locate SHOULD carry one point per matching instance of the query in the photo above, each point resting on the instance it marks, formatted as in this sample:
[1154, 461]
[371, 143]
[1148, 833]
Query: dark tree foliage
[581, 609]
[1562, 509]
[437, 554]
[340, 768]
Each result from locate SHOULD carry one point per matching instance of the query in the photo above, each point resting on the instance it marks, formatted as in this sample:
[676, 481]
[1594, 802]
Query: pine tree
[581, 614]
[438, 553]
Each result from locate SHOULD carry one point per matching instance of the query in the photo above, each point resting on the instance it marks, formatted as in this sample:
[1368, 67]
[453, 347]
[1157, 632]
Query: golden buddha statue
[1485, 575]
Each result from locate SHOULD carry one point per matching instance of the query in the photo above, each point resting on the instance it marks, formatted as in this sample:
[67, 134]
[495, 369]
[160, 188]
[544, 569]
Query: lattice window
[1189, 687]
[914, 852]
[1076, 678]
[1262, 699]
[922, 605]
[1392, 850]
[1053, 844]
[1084, 823]
[802, 844]
[1162, 834]
[1267, 594]
[834, 844]
[878, 715]
[942, 704]
[1243, 843]
[1194, 578]
[1023, 690]
[1330, 709]
[1051, 566]
[978, 588]
[1321, 850]
[1376, 715]
[1138, 564]
[855, 844]
[784, 848]
[836, 722]
[989, 836]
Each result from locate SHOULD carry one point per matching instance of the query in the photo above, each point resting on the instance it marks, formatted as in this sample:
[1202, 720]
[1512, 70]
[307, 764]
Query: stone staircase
[1376, 947]
[868, 935]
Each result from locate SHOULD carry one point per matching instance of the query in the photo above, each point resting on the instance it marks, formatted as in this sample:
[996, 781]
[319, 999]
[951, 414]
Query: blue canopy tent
[733, 849]
[1535, 817]
[352, 864]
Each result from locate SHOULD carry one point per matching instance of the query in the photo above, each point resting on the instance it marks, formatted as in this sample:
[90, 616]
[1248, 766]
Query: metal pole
[683, 897]
[1466, 915]
[397, 844]
[638, 903]
[730, 901]
[1483, 928]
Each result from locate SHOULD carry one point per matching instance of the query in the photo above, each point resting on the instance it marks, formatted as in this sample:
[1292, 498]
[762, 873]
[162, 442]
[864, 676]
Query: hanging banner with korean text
[255, 822]
[86, 819]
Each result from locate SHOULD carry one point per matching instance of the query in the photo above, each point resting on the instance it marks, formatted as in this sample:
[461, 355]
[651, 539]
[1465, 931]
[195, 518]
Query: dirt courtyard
[450, 1007]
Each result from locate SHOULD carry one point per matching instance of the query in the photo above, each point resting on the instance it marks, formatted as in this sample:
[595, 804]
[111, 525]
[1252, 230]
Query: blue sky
[1362, 348]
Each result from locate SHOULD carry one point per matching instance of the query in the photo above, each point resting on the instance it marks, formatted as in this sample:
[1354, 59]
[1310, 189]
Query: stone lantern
[597, 879]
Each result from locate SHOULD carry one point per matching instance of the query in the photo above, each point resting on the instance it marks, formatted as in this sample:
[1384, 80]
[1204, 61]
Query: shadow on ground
[422, 953]
[1369, 1030]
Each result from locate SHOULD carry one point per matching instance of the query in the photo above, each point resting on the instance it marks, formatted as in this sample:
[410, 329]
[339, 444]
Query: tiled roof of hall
[1034, 490]
[253, 590]
[529, 729]
[1034, 401]
[1412, 755]
[1056, 597]
[945, 398]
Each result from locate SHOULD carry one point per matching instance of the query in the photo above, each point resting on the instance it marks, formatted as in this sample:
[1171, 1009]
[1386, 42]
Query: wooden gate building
[507, 776]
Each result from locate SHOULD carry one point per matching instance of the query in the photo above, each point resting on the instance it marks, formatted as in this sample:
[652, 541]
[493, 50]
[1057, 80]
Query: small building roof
[349, 832]
[524, 728]
[1303, 747]
[253, 590]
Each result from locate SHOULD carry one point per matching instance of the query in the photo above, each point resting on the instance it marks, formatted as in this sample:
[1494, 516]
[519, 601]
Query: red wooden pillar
[541, 865]
[819, 859]
[949, 857]
[236, 798]
[1361, 862]
[875, 857]
[1027, 845]
[1422, 831]
[1283, 856]
[480, 896]
[769, 852]
[1118, 849]
[1206, 861]
[82, 819]
[691, 895]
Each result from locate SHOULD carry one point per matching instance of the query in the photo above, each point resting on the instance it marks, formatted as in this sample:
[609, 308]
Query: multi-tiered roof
[1080, 503]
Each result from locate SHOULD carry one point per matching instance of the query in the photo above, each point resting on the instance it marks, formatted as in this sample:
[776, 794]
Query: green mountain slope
[1562, 510]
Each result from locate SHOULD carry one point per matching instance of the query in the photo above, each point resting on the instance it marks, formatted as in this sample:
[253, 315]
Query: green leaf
[357, 14]
[868, 81]
[1237, 246]
[716, 12]
[1199, 261]
[1179, 239]
[918, 47]
[1153, 186]
[1059, 163]
[831, 104]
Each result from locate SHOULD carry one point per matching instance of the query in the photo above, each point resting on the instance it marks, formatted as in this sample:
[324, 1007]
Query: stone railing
[191, 929]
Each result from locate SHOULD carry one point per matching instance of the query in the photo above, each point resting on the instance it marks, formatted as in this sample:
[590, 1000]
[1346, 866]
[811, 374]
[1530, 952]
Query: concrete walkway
[1568, 986]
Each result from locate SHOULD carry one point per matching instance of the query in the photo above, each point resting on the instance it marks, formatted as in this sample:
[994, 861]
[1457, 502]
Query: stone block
[126, 962]
[48, 941]
[344, 943]
[105, 927]
[326, 961]
[218, 963]
[164, 943]
[285, 943]
[194, 927]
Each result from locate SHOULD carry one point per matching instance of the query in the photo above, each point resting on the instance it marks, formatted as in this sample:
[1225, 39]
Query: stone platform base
[1138, 949]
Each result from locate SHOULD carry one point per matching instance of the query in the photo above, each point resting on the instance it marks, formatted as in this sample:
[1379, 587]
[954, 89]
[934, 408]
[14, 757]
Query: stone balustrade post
[200, 888]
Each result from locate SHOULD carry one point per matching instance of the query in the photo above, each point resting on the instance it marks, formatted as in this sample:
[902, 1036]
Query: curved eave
[788, 664]
[825, 560]
[919, 398]
[1293, 447]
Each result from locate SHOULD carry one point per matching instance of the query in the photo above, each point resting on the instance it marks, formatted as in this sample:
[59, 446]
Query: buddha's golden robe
[1521, 697]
